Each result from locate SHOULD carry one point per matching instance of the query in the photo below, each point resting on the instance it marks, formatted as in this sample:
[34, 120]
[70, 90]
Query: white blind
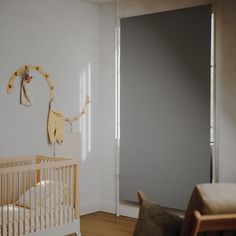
[165, 104]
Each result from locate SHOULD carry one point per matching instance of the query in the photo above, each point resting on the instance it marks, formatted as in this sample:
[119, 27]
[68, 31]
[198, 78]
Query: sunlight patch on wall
[117, 87]
[85, 121]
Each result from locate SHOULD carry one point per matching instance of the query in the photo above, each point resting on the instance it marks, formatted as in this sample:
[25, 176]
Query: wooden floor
[104, 224]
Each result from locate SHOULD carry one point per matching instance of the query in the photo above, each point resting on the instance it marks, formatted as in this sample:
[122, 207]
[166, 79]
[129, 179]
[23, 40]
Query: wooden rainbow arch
[20, 71]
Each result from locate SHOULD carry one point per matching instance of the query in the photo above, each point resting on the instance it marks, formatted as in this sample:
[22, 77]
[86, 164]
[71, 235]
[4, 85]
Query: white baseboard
[108, 207]
[89, 207]
[129, 210]
[125, 209]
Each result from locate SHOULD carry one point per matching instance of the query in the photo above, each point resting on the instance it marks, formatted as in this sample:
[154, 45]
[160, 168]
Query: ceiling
[99, 1]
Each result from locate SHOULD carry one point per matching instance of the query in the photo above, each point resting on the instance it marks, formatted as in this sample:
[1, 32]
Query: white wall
[63, 37]
[107, 74]
[225, 88]
[108, 24]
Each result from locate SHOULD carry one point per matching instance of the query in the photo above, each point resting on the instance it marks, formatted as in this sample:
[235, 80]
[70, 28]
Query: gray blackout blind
[165, 105]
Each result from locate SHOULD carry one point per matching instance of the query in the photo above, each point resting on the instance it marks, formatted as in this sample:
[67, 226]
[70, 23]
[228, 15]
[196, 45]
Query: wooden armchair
[211, 212]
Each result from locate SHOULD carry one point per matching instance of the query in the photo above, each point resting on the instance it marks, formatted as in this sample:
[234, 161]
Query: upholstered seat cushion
[217, 198]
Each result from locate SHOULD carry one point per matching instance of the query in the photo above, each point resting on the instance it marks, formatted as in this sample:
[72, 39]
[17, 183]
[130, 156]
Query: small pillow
[47, 196]
[156, 221]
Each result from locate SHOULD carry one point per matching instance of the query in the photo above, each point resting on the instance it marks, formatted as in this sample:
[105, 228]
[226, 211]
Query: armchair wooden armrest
[213, 223]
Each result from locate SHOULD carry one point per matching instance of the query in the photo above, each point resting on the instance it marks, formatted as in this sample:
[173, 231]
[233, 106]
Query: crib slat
[50, 200]
[76, 191]
[2, 203]
[40, 199]
[23, 183]
[59, 212]
[13, 200]
[35, 206]
[70, 200]
[67, 199]
[8, 194]
[3, 189]
[18, 202]
[4, 192]
[47, 178]
[45, 200]
[64, 180]
[29, 177]
[54, 196]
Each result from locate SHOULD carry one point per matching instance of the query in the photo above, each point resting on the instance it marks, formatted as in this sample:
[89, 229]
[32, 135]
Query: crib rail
[37, 193]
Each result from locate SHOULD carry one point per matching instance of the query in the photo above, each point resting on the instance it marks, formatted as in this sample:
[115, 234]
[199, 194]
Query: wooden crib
[39, 196]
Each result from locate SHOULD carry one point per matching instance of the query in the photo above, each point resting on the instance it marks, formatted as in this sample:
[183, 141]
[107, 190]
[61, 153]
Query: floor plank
[104, 224]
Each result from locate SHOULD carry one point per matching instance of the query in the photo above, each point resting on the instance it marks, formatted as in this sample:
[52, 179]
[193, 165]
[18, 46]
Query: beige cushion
[217, 198]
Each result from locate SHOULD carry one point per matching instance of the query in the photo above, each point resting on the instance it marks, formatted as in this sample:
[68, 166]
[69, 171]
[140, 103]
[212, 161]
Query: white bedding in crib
[65, 212]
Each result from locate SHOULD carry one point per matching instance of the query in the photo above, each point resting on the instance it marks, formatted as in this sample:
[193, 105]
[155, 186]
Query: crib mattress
[43, 220]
